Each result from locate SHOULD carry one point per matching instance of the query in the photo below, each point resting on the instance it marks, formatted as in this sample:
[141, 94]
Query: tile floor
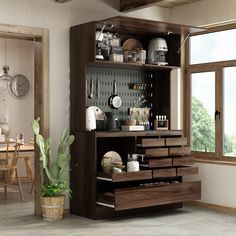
[16, 218]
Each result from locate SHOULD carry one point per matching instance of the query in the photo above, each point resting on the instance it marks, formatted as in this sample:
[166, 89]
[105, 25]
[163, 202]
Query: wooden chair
[8, 165]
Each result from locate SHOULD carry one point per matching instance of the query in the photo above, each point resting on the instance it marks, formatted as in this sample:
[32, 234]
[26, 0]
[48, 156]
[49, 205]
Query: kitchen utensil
[108, 161]
[100, 118]
[115, 101]
[98, 87]
[157, 50]
[112, 122]
[91, 95]
[99, 115]
[132, 166]
[132, 44]
[90, 119]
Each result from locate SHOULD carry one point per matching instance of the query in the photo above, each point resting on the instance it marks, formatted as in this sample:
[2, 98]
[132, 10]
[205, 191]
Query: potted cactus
[53, 173]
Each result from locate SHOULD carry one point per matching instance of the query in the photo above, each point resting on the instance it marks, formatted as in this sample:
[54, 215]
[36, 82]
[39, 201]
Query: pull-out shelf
[153, 195]
[126, 176]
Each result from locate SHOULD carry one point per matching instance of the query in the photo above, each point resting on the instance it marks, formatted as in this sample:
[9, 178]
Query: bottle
[21, 138]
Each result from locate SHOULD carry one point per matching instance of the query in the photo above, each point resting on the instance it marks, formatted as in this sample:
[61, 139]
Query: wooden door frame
[41, 85]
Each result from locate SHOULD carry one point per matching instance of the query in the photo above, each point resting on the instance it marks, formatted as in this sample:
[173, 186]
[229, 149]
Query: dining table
[26, 153]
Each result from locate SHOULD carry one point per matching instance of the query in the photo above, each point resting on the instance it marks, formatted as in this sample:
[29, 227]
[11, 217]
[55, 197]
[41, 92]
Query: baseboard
[214, 206]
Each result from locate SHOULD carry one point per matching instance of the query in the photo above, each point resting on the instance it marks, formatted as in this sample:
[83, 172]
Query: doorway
[40, 39]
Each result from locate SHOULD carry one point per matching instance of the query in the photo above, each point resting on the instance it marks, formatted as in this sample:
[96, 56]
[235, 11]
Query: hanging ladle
[91, 95]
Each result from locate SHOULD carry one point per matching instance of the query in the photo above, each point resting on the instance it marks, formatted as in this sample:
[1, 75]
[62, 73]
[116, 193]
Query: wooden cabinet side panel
[82, 51]
[83, 175]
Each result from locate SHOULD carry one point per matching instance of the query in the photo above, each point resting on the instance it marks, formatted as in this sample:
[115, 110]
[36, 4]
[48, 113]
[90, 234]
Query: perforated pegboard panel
[123, 78]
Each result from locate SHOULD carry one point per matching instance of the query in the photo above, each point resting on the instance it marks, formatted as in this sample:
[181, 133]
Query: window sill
[215, 161]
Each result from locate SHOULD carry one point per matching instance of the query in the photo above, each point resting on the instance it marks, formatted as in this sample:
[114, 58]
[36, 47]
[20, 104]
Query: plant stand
[52, 208]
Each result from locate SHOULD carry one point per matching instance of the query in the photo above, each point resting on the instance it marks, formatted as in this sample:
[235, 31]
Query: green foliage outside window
[203, 131]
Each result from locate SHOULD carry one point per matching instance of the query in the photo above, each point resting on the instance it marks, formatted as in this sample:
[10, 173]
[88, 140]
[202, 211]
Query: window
[212, 47]
[202, 112]
[229, 105]
[211, 97]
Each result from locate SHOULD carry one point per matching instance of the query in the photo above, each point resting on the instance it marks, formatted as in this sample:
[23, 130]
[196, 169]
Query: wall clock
[19, 86]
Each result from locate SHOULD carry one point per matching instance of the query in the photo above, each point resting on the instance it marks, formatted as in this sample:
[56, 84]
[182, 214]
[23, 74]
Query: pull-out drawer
[160, 162]
[187, 170]
[156, 152]
[176, 141]
[179, 151]
[152, 142]
[126, 176]
[165, 172]
[154, 195]
[183, 161]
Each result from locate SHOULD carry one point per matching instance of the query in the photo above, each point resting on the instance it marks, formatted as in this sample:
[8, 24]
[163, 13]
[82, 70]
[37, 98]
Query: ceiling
[123, 5]
[131, 5]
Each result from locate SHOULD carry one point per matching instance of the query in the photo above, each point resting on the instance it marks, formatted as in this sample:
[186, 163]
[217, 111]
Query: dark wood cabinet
[159, 181]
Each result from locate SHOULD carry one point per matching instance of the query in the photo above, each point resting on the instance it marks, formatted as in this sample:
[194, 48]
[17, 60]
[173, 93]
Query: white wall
[19, 112]
[217, 184]
[218, 181]
[58, 18]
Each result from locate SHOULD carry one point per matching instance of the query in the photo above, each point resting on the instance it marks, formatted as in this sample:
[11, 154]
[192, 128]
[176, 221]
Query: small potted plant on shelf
[53, 172]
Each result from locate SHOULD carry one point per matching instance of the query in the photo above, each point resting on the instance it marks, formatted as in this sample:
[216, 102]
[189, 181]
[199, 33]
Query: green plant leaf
[55, 170]
[61, 160]
[63, 173]
[62, 148]
[64, 135]
[70, 140]
[35, 126]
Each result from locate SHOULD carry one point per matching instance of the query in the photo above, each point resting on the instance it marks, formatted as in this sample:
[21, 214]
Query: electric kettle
[90, 119]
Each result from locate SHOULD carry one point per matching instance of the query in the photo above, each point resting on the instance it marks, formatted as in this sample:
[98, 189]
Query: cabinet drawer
[160, 162]
[156, 152]
[167, 172]
[145, 196]
[126, 176]
[153, 142]
[187, 170]
[182, 161]
[176, 141]
[183, 151]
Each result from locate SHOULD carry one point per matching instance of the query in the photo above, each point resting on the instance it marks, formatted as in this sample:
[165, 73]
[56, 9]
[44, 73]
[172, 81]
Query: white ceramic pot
[132, 166]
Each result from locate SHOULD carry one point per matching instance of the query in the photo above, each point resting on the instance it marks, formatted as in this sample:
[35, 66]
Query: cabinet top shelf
[142, 26]
[131, 65]
[108, 134]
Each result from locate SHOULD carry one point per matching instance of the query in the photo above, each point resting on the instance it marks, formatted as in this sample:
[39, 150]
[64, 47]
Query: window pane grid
[213, 47]
[202, 111]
